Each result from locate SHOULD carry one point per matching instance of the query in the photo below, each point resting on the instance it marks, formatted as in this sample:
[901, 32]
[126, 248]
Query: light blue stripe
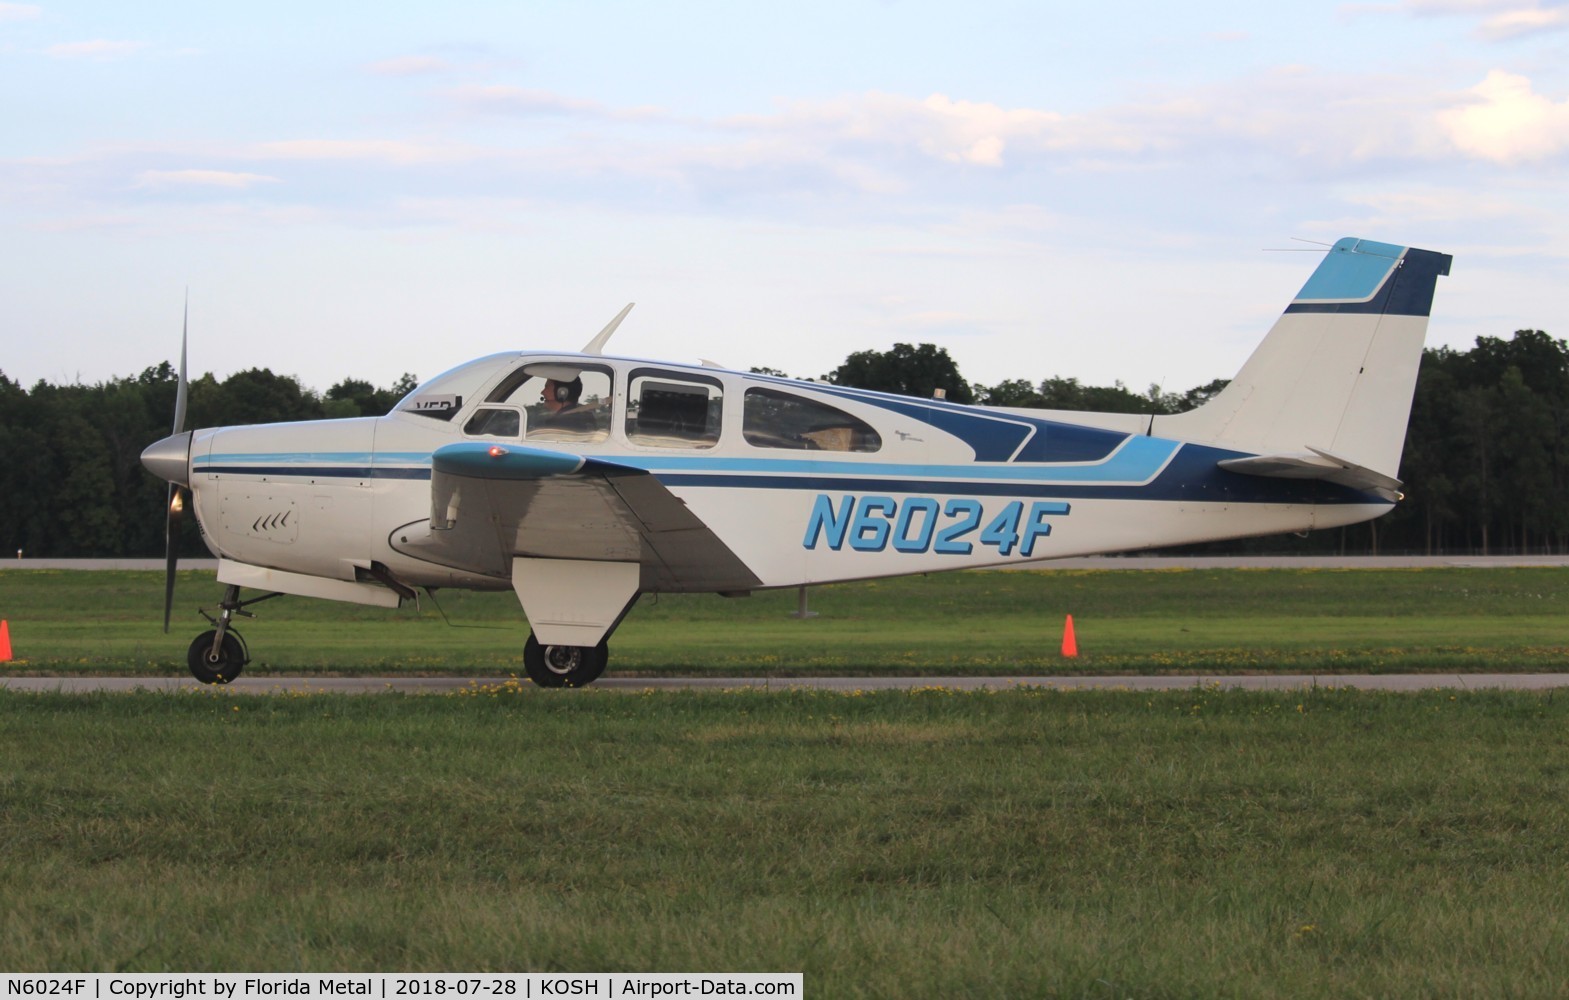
[359, 458]
[1137, 461]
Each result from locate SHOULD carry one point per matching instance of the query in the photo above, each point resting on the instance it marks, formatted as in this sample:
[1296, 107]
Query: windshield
[443, 396]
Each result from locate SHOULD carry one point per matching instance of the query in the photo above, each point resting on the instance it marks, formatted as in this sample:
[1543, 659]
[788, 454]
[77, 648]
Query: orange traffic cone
[1070, 645]
[5, 641]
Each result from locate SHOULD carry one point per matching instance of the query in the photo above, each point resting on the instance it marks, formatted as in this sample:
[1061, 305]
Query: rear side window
[669, 410]
[774, 419]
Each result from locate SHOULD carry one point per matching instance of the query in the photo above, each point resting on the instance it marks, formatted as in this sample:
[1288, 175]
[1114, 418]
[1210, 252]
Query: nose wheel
[563, 666]
[217, 660]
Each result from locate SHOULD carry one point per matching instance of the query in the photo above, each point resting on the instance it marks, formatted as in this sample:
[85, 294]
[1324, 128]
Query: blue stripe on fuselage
[1187, 473]
[1193, 476]
[1138, 461]
[316, 471]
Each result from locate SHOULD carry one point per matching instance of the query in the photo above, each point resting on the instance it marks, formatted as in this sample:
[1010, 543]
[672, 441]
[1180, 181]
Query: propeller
[176, 499]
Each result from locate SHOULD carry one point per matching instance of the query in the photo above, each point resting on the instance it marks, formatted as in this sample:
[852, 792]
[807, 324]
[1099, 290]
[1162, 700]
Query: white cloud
[1433, 7]
[409, 66]
[383, 150]
[1436, 214]
[1507, 122]
[1523, 21]
[99, 48]
[955, 130]
[944, 160]
[978, 132]
[18, 12]
[1502, 20]
[1293, 117]
[233, 180]
[520, 101]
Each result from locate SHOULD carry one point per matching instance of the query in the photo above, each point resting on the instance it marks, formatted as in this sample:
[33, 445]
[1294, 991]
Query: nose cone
[170, 459]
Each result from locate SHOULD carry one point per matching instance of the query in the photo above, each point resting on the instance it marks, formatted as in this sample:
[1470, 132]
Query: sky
[1108, 192]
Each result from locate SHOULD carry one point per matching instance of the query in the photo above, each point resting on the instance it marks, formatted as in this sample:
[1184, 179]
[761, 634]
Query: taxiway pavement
[447, 685]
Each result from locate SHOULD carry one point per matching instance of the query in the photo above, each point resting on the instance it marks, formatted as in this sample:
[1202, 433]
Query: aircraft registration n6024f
[581, 481]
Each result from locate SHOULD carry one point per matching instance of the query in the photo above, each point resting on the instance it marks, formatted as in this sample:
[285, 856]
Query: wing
[493, 502]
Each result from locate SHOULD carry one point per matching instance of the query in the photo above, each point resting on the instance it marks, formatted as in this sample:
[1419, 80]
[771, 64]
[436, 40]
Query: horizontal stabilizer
[1315, 463]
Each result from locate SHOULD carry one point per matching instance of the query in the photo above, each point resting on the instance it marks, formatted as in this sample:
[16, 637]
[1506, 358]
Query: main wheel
[563, 666]
[223, 668]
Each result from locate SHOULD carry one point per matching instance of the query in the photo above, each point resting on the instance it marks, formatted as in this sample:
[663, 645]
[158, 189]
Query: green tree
[358, 398]
[257, 396]
[906, 370]
[1069, 394]
[1011, 392]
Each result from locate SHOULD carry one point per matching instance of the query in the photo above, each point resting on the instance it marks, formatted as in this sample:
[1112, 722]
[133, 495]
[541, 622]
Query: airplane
[581, 481]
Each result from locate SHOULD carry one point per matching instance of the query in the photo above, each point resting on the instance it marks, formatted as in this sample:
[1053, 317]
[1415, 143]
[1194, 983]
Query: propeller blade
[176, 500]
[181, 391]
[171, 541]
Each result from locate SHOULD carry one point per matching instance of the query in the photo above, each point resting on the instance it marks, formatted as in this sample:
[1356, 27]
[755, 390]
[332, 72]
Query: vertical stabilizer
[1337, 372]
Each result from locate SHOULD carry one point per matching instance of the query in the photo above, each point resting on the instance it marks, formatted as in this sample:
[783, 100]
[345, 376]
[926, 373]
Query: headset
[568, 392]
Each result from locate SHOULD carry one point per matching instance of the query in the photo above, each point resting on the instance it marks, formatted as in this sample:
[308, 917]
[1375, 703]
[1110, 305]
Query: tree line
[71, 478]
[1486, 464]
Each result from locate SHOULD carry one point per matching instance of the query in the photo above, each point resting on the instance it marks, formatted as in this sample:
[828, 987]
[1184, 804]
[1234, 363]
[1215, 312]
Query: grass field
[1326, 843]
[1211, 621]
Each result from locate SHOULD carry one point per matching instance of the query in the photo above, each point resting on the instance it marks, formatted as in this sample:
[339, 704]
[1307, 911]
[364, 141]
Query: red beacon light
[496, 451]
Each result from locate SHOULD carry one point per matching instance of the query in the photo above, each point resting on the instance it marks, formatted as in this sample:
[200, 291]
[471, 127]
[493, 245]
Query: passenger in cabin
[563, 409]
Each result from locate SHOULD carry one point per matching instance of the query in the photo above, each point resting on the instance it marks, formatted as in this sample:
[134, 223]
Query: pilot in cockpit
[563, 407]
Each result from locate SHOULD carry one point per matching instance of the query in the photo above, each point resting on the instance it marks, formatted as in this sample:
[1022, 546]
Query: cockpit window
[495, 421]
[774, 419]
[669, 410]
[564, 401]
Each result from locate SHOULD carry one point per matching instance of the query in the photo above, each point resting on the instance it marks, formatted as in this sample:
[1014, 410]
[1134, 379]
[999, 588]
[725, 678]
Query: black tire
[232, 657]
[563, 666]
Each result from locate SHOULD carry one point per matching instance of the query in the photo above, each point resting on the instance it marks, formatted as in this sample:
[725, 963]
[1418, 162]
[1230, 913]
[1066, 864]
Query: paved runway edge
[448, 685]
[1122, 562]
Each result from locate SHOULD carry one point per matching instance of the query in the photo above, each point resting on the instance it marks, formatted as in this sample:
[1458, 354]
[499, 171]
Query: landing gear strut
[563, 666]
[217, 656]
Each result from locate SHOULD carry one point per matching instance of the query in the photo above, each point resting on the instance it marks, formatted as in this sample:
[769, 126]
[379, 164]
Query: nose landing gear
[218, 655]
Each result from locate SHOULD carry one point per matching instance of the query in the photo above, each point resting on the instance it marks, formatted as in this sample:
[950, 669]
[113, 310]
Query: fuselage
[804, 482]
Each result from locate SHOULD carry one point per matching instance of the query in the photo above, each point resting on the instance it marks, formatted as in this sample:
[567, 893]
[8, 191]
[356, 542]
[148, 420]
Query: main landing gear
[218, 655]
[563, 666]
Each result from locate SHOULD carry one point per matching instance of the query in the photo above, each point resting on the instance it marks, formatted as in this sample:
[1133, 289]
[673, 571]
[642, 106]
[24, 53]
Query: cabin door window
[669, 410]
